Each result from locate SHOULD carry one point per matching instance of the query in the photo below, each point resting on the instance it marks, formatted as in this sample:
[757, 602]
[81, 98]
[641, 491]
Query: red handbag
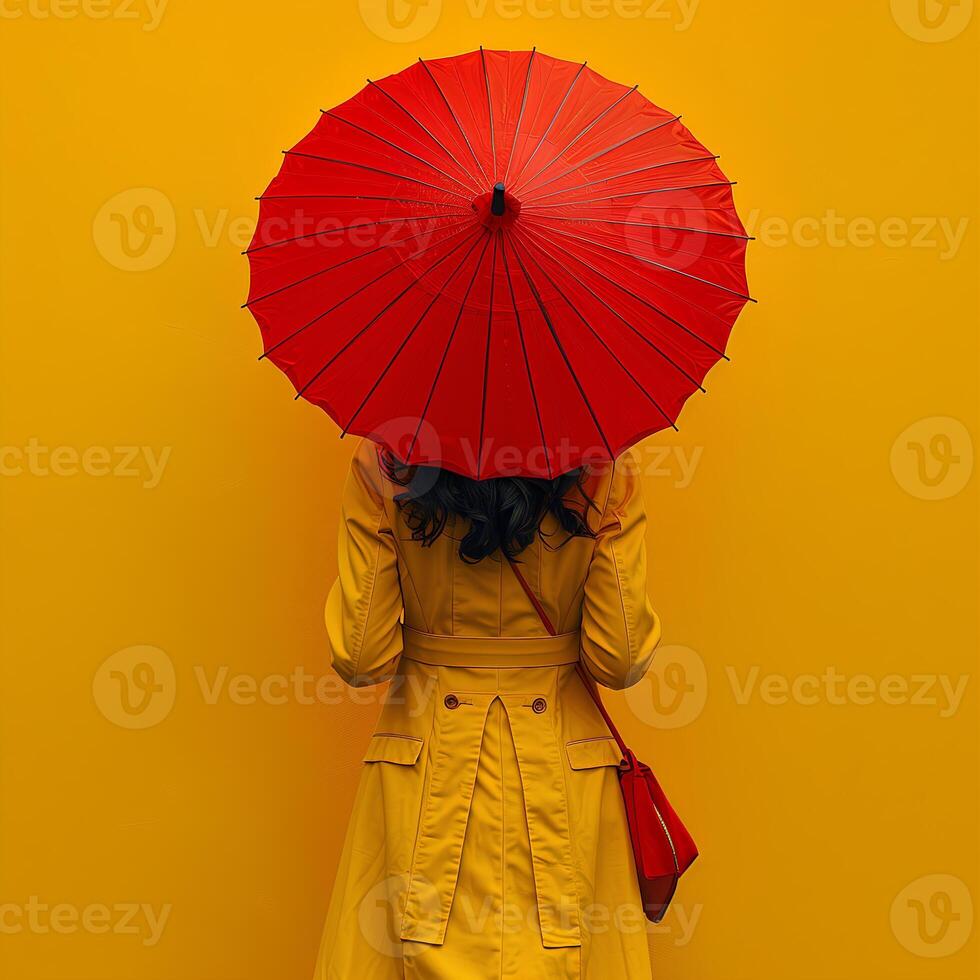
[662, 847]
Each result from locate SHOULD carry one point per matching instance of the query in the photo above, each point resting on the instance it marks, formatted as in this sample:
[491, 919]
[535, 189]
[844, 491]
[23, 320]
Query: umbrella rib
[395, 146]
[598, 337]
[520, 115]
[683, 299]
[363, 224]
[445, 353]
[576, 138]
[452, 112]
[609, 149]
[486, 82]
[612, 197]
[676, 250]
[405, 340]
[658, 265]
[626, 173]
[527, 362]
[353, 258]
[734, 263]
[544, 135]
[486, 355]
[623, 319]
[561, 350]
[357, 197]
[425, 129]
[644, 224]
[376, 170]
[378, 316]
[651, 305]
[356, 292]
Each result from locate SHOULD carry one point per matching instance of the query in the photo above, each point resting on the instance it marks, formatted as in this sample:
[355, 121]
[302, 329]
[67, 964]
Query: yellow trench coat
[488, 837]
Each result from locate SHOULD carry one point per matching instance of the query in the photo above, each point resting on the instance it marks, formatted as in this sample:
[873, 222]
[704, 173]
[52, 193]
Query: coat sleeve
[620, 630]
[364, 607]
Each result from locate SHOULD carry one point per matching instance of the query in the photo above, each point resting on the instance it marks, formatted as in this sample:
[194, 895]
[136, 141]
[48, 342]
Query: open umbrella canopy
[501, 263]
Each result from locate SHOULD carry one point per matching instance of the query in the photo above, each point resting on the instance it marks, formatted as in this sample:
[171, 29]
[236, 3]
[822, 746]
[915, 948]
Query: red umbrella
[501, 263]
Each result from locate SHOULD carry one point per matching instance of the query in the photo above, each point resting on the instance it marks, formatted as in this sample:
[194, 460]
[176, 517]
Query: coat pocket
[403, 750]
[591, 753]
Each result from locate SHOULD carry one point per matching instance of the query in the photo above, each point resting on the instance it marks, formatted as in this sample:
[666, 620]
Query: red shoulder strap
[586, 680]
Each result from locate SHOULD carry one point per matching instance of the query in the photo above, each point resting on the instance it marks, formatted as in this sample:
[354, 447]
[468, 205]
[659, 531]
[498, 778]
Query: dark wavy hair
[502, 513]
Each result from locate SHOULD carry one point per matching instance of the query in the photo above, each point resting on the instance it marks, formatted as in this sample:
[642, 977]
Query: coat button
[451, 701]
[538, 705]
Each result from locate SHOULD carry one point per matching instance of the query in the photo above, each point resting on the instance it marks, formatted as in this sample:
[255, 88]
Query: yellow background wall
[177, 762]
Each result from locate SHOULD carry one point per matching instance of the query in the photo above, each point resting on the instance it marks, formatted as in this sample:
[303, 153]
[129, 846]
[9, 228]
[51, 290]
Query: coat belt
[494, 652]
